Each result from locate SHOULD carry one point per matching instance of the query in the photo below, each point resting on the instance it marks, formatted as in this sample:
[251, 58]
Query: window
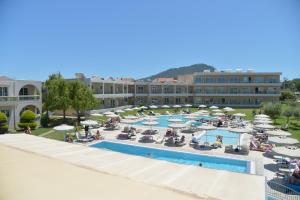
[198, 79]
[177, 100]
[166, 100]
[140, 89]
[23, 91]
[3, 91]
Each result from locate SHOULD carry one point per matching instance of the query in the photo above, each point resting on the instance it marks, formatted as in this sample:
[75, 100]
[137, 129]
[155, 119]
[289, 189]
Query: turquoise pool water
[163, 120]
[228, 137]
[214, 162]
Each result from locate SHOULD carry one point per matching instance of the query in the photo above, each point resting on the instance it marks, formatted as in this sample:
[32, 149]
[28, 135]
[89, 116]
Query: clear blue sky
[138, 38]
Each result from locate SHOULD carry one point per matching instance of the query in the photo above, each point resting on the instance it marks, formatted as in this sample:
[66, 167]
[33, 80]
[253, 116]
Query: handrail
[279, 191]
[19, 98]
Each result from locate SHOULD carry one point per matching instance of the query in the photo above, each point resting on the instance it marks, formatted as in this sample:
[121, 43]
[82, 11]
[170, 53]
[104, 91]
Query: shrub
[45, 120]
[3, 123]
[273, 110]
[32, 125]
[28, 116]
[27, 119]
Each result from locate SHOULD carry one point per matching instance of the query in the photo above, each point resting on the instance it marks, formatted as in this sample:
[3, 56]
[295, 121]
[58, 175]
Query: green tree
[62, 100]
[56, 95]
[82, 98]
[289, 112]
[273, 110]
[287, 95]
[50, 93]
[3, 123]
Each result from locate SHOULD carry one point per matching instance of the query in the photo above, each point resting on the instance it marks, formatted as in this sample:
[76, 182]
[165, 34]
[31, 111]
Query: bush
[273, 110]
[27, 119]
[3, 123]
[3, 118]
[287, 95]
[28, 116]
[23, 126]
[45, 120]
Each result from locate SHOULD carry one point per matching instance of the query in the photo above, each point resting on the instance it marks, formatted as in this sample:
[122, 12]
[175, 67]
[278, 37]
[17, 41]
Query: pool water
[228, 137]
[214, 162]
[163, 120]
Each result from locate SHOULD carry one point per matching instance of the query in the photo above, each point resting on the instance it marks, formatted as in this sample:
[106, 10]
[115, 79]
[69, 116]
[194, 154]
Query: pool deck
[202, 182]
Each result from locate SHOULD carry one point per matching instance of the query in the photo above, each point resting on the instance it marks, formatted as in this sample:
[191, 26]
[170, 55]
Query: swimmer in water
[200, 164]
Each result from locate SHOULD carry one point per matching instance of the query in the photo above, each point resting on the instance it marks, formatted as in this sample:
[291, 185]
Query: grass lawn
[57, 135]
[40, 131]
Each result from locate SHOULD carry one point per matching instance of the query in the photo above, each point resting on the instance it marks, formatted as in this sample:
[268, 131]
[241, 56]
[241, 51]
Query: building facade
[222, 88]
[17, 96]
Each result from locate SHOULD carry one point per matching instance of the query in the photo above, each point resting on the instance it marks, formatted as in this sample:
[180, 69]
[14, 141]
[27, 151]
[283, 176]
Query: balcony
[13, 100]
[121, 95]
[264, 94]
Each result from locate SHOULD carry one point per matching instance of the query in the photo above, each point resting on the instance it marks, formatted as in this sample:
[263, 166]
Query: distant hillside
[174, 72]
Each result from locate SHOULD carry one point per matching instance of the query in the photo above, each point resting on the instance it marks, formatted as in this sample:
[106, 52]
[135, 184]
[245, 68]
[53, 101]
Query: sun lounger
[81, 138]
[159, 140]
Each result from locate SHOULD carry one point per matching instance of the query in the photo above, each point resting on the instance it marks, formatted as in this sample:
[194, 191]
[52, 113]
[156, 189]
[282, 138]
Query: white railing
[19, 98]
[278, 191]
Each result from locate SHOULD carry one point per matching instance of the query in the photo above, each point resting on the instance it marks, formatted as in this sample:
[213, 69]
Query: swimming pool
[163, 120]
[214, 162]
[228, 137]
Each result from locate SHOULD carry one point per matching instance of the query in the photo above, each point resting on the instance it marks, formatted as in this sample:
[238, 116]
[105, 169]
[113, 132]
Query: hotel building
[17, 96]
[222, 88]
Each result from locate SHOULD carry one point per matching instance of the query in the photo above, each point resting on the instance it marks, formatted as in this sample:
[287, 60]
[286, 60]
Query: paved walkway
[202, 182]
[29, 176]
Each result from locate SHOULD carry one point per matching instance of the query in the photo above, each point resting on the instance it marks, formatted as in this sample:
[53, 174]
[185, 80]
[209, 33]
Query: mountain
[174, 72]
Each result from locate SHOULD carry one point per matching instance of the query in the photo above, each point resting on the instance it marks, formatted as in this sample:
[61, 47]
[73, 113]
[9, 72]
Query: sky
[138, 38]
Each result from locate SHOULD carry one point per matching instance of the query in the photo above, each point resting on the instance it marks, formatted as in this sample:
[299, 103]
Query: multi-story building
[222, 88]
[17, 96]
[236, 88]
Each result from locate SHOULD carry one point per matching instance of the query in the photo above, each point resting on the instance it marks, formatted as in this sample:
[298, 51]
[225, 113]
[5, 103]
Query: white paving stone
[187, 178]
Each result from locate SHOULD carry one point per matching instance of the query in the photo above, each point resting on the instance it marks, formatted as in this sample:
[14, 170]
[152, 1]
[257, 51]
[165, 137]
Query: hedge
[3, 123]
[28, 116]
[3, 118]
[27, 119]
[32, 125]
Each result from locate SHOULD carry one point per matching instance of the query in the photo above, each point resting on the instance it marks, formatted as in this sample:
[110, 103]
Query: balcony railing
[237, 81]
[19, 98]
[250, 92]
[29, 97]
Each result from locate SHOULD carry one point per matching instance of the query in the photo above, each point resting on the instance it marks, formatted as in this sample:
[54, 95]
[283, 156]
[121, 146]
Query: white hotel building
[17, 96]
[222, 88]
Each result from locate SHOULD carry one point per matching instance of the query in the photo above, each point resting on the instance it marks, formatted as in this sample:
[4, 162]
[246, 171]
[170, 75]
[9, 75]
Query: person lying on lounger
[295, 177]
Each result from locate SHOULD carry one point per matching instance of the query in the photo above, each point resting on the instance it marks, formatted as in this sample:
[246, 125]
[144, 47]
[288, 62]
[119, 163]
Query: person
[194, 138]
[295, 177]
[168, 133]
[200, 164]
[28, 130]
[182, 139]
[97, 137]
[86, 130]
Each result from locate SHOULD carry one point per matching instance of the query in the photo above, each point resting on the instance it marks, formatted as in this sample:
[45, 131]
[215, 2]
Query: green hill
[174, 72]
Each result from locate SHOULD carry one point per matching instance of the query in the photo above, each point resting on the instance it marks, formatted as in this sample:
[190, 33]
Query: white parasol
[289, 151]
[165, 106]
[89, 122]
[283, 140]
[278, 133]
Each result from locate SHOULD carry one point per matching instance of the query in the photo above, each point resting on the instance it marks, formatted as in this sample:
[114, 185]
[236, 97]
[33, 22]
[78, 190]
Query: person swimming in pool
[149, 155]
